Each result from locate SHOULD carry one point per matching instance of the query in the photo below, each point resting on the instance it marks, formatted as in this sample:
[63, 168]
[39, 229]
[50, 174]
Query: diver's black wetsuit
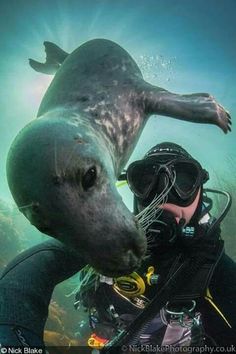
[223, 291]
[26, 288]
[28, 281]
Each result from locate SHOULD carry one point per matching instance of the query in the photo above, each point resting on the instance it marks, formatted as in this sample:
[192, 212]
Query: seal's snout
[132, 260]
[138, 249]
[120, 256]
[136, 245]
[126, 255]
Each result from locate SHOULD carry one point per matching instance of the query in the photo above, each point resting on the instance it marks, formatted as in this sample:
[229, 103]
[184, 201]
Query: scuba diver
[183, 294]
[185, 291]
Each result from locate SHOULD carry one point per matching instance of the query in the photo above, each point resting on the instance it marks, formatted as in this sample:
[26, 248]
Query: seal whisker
[156, 210]
[150, 218]
[154, 203]
[153, 214]
[88, 277]
[25, 206]
[152, 207]
[55, 158]
[160, 201]
[69, 159]
[15, 208]
[153, 211]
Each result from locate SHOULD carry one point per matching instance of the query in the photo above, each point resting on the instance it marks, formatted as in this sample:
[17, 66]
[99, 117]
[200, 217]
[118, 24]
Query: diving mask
[186, 176]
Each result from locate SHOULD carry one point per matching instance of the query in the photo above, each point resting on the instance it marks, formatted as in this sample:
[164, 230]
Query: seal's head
[61, 176]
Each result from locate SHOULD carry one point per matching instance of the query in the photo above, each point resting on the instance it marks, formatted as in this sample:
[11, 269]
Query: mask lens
[141, 177]
[187, 177]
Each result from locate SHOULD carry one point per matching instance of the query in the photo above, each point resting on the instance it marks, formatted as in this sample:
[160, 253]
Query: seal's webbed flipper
[54, 58]
[197, 107]
[54, 53]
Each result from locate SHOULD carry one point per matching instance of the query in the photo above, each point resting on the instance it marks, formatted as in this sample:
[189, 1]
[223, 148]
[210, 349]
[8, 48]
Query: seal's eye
[89, 178]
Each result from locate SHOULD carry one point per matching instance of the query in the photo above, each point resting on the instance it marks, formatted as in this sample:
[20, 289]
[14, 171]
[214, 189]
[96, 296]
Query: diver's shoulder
[224, 277]
[50, 256]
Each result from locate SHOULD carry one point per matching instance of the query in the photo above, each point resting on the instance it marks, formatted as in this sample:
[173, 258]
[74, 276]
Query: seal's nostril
[131, 259]
[138, 247]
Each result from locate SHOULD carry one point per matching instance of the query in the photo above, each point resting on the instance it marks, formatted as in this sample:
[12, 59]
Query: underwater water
[184, 46]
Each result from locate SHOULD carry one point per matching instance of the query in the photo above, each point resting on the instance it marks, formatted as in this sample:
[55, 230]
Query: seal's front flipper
[197, 108]
[55, 56]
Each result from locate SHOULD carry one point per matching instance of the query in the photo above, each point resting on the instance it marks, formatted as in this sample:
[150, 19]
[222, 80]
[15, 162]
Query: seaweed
[10, 244]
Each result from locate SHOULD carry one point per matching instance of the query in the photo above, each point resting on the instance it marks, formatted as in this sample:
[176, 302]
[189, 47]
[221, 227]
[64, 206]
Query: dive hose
[127, 337]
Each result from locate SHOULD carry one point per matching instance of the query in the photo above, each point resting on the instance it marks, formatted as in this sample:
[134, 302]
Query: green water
[184, 46]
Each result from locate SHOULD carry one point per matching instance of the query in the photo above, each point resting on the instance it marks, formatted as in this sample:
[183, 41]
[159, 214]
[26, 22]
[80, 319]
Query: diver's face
[178, 211]
[181, 212]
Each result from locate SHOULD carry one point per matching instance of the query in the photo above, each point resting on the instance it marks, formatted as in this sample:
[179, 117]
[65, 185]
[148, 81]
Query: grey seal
[62, 167]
